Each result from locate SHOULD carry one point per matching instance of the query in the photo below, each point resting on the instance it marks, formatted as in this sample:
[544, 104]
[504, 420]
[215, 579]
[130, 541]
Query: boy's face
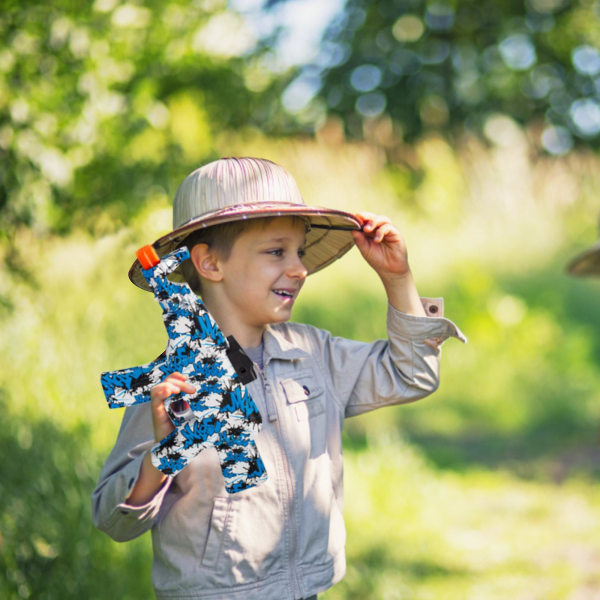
[264, 272]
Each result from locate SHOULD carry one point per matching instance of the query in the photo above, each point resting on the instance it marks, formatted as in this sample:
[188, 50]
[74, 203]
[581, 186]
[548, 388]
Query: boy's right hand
[175, 383]
[150, 478]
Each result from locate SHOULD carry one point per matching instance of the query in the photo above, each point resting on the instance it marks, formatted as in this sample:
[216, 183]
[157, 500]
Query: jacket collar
[278, 346]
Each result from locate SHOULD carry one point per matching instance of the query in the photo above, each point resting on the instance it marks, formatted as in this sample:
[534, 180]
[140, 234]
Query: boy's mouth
[284, 293]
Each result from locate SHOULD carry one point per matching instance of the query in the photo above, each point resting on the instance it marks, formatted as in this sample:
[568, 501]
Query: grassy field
[486, 490]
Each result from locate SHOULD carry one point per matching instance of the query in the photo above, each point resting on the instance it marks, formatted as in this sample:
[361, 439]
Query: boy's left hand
[382, 246]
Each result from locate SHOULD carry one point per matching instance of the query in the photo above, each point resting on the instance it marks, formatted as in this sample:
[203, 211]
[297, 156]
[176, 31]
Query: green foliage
[394, 70]
[57, 429]
[50, 548]
[102, 101]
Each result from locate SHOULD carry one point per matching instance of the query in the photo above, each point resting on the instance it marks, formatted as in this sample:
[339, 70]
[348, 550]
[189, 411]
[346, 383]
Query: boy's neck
[246, 336]
[248, 339]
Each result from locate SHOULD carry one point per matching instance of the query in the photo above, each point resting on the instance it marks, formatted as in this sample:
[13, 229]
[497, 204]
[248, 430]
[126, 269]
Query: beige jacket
[284, 539]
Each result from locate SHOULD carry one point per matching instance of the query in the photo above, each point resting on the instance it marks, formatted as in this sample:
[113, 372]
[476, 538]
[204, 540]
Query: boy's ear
[206, 262]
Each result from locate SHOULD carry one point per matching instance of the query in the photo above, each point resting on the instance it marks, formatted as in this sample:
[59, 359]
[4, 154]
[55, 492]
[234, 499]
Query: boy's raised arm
[384, 249]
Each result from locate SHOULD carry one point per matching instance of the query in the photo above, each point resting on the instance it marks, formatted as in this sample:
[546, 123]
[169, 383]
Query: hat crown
[230, 182]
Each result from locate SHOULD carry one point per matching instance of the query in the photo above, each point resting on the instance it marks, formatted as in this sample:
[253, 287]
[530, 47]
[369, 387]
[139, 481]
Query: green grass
[418, 533]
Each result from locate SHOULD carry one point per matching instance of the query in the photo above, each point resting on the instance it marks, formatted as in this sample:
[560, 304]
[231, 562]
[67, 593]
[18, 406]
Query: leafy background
[488, 489]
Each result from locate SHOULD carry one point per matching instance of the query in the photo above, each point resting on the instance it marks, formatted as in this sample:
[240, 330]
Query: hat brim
[328, 239]
[586, 263]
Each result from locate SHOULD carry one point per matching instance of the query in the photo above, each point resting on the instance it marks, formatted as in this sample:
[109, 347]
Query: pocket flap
[301, 388]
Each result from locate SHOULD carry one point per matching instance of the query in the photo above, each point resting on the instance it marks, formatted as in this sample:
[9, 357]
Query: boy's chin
[281, 316]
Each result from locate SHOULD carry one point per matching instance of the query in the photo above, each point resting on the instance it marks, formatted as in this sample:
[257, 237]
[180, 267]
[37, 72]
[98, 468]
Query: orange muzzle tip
[147, 257]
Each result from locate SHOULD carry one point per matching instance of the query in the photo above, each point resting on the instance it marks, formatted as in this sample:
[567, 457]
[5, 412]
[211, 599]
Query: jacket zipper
[289, 488]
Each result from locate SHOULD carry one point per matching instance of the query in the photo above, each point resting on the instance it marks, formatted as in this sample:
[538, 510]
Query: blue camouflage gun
[221, 413]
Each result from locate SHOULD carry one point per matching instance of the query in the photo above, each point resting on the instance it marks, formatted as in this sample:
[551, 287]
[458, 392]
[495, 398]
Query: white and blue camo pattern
[221, 413]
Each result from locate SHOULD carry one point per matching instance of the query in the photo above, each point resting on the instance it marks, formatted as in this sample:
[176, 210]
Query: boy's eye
[281, 252]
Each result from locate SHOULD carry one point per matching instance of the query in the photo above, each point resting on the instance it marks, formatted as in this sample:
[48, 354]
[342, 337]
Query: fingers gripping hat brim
[236, 189]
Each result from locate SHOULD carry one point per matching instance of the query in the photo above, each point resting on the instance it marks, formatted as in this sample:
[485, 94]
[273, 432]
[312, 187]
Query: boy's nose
[297, 269]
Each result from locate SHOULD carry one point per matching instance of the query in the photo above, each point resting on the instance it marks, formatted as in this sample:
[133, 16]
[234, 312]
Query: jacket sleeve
[401, 369]
[111, 513]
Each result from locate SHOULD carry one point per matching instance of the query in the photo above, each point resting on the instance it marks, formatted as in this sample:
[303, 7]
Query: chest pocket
[304, 396]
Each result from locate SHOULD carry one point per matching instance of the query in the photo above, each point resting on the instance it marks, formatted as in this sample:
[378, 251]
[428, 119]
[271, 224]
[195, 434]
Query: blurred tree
[395, 69]
[103, 104]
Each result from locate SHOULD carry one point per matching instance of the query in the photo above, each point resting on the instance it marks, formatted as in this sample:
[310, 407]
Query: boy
[253, 242]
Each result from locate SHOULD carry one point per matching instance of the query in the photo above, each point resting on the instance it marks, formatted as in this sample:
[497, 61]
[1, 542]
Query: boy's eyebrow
[279, 239]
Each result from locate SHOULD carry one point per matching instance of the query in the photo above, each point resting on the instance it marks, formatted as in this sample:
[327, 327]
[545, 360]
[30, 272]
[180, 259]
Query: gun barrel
[147, 257]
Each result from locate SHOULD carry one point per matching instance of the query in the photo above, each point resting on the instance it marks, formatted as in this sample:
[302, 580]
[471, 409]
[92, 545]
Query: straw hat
[586, 263]
[232, 189]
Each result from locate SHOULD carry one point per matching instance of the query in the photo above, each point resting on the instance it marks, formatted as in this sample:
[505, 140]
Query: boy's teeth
[283, 293]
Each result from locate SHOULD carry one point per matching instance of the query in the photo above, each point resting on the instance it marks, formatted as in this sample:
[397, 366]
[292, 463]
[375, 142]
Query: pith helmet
[586, 263]
[233, 189]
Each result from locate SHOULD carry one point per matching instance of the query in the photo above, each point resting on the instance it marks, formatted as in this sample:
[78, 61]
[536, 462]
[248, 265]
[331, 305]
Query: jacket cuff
[432, 326]
[137, 514]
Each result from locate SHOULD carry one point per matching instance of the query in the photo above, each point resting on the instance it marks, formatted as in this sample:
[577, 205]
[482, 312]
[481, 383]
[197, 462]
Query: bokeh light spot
[300, 92]
[408, 28]
[371, 105]
[365, 78]
[585, 114]
[439, 16]
[518, 52]
[557, 140]
[586, 59]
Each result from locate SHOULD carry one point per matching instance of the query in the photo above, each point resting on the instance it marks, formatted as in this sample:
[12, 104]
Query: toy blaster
[221, 414]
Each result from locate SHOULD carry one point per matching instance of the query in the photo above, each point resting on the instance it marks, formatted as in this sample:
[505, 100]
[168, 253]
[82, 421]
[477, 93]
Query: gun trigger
[178, 409]
[241, 362]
